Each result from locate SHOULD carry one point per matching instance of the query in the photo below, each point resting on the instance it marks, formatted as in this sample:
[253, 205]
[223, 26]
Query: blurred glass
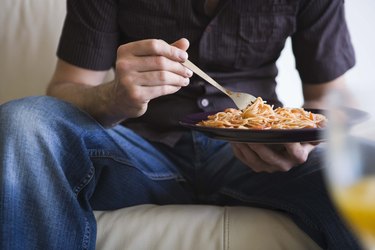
[350, 163]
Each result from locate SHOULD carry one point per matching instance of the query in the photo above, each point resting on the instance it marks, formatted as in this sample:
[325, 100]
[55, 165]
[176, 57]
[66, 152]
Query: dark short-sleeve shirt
[238, 46]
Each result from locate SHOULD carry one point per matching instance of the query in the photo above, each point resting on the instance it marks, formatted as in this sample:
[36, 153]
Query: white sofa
[29, 31]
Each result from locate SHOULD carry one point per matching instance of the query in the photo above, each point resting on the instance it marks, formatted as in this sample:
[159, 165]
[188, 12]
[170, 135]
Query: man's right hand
[145, 70]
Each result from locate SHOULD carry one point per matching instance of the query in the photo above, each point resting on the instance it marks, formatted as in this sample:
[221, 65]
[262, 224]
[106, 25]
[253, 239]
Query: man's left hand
[272, 157]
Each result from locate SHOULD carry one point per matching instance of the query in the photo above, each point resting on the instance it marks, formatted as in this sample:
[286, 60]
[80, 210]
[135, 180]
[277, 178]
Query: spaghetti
[260, 115]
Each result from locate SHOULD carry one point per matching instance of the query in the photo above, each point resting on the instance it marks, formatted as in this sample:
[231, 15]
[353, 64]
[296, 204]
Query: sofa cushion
[30, 32]
[181, 227]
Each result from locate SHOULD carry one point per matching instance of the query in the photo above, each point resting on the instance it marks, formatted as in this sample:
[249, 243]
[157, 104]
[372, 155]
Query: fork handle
[206, 77]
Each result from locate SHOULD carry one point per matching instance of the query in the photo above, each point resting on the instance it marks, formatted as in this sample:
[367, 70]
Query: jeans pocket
[154, 166]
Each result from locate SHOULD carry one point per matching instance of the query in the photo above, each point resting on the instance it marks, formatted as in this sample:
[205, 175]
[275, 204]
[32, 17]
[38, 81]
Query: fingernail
[183, 55]
[189, 73]
[187, 81]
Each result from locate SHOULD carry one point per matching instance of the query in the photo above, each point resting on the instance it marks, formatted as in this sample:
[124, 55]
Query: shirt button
[205, 102]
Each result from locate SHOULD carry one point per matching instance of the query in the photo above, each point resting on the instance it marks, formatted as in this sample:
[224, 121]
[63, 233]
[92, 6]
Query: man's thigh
[133, 171]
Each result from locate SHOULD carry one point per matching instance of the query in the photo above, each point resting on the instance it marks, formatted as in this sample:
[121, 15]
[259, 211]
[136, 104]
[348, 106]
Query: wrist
[107, 110]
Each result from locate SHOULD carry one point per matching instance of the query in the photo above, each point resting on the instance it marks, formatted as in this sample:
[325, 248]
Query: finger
[151, 47]
[159, 78]
[273, 157]
[153, 63]
[251, 159]
[145, 94]
[298, 152]
[140, 95]
[182, 43]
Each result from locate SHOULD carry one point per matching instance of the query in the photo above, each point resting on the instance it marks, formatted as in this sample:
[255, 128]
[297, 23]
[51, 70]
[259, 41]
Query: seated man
[100, 145]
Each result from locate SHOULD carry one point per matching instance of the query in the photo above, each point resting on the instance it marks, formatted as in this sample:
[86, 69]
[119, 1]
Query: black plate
[270, 135]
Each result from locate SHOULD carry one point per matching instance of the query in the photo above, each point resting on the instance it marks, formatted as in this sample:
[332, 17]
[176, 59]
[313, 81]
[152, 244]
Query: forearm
[95, 100]
[317, 95]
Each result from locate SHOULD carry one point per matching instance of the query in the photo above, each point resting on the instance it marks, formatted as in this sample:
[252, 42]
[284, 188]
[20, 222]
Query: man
[107, 145]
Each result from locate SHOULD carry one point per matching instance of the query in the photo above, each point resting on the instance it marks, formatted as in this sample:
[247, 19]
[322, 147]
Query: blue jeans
[58, 165]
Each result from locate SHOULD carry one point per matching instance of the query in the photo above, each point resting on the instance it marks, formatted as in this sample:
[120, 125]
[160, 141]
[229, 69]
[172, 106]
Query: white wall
[361, 79]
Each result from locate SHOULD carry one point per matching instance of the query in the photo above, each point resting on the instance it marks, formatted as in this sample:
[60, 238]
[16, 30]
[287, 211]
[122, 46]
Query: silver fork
[242, 100]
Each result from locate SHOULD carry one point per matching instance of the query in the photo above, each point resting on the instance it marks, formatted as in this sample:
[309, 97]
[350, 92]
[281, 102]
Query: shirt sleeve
[90, 37]
[321, 43]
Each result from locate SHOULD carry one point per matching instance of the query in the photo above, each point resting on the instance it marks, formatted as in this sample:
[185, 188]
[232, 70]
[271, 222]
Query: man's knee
[25, 113]
[38, 115]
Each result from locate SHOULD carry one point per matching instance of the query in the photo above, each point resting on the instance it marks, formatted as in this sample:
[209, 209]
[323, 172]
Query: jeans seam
[86, 235]
[84, 181]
